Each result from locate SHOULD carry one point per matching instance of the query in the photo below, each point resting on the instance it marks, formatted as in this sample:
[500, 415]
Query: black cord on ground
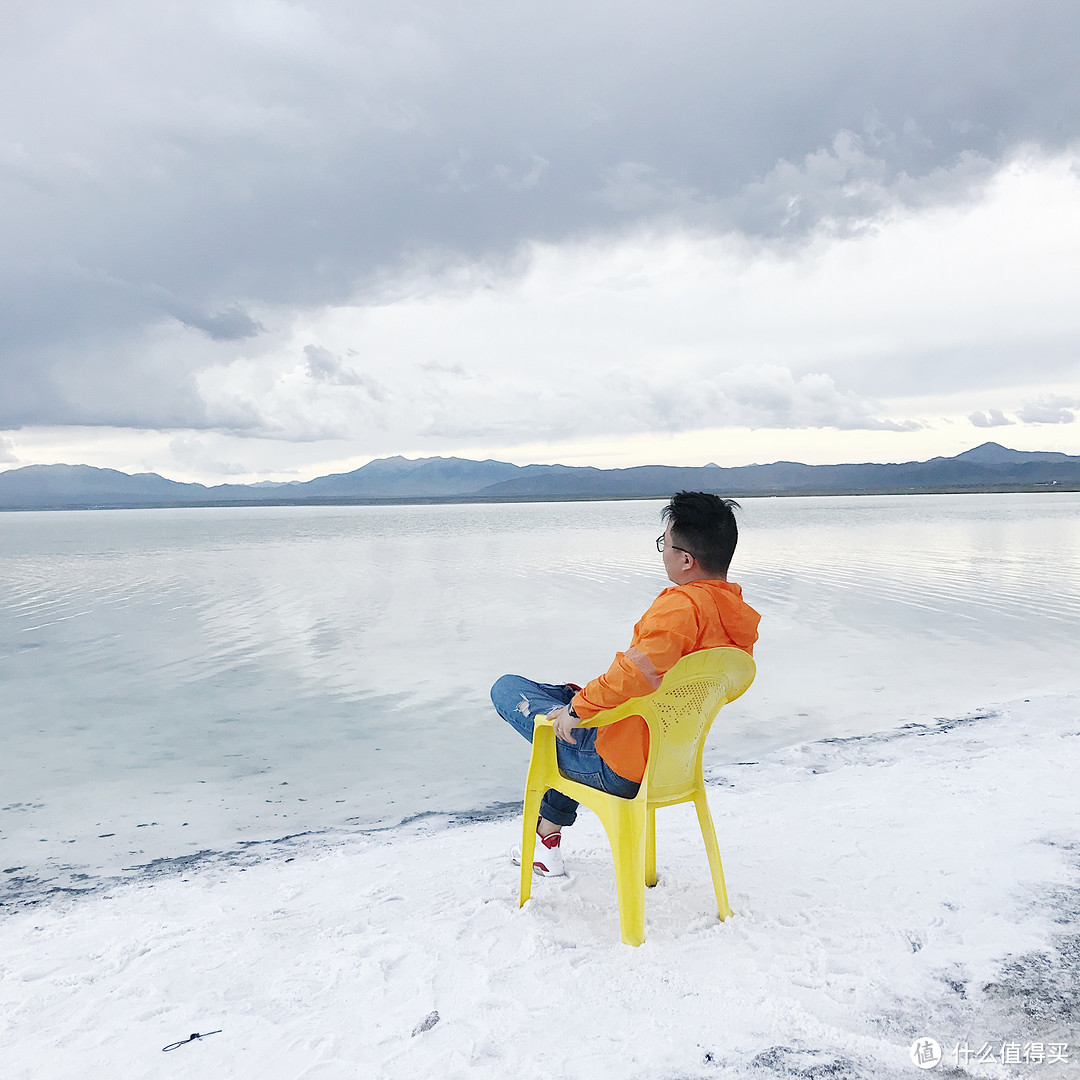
[192, 1038]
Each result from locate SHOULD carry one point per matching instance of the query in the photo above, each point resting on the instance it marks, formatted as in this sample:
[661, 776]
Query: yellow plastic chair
[679, 714]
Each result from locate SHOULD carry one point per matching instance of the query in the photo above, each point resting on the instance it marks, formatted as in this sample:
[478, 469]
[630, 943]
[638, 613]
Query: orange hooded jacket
[681, 620]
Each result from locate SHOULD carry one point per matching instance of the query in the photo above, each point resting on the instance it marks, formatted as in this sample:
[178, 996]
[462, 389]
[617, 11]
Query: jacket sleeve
[666, 632]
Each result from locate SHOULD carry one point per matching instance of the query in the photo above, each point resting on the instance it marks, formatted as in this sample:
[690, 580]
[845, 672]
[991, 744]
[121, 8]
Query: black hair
[704, 525]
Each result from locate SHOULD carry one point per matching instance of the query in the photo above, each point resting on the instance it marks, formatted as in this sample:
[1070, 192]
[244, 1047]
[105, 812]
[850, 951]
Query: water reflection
[254, 671]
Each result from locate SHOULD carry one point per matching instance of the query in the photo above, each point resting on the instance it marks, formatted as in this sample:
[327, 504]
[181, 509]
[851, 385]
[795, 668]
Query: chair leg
[530, 811]
[625, 827]
[650, 846]
[708, 833]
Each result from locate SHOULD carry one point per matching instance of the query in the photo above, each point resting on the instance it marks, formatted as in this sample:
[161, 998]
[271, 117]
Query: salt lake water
[182, 681]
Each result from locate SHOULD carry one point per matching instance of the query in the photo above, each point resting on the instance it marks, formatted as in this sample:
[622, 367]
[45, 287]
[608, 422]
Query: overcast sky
[248, 240]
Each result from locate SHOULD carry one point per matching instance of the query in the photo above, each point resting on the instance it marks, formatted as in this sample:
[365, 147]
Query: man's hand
[562, 722]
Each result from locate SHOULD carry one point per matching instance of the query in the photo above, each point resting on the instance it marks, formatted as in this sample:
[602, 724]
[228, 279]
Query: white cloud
[762, 396]
[675, 331]
[323, 366]
[215, 162]
[7, 451]
[849, 186]
[657, 331]
[1049, 410]
[990, 418]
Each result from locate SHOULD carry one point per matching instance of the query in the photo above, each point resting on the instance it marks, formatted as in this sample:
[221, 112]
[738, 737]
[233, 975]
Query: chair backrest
[681, 711]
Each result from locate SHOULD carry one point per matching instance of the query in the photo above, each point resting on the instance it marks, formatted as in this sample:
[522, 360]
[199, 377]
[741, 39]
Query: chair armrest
[633, 707]
[544, 740]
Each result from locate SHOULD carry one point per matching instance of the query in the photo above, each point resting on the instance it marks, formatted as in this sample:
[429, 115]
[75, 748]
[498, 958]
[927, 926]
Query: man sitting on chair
[702, 610]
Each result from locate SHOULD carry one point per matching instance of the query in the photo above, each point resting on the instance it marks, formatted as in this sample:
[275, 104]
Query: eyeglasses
[660, 545]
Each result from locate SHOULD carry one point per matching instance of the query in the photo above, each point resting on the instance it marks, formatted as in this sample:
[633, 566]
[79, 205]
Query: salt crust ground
[918, 882]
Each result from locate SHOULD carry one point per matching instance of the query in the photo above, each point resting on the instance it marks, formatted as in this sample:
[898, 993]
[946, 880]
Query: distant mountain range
[989, 467]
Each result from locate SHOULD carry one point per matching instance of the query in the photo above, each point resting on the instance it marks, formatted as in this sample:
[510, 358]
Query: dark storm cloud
[197, 162]
[232, 324]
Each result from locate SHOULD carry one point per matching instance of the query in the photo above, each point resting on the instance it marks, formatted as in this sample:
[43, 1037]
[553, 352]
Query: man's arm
[664, 634]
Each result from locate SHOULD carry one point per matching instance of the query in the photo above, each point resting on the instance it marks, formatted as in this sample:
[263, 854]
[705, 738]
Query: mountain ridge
[989, 466]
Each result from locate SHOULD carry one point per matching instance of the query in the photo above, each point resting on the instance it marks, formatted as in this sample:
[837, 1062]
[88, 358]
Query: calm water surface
[181, 680]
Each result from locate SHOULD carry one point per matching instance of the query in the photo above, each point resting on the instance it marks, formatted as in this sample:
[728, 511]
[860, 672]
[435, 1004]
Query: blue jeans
[518, 701]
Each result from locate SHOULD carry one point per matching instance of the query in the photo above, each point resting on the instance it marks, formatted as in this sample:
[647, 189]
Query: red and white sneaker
[547, 856]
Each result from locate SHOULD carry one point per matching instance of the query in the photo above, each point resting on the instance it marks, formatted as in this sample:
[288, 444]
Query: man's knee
[507, 695]
[499, 687]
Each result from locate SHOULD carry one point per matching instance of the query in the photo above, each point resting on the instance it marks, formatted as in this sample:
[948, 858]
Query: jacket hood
[739, 618]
